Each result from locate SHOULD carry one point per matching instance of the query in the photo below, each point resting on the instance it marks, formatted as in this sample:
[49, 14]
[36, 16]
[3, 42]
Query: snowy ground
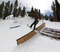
[38, 43]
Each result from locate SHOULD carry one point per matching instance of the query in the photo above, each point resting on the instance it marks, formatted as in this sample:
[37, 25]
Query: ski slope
[38, 43]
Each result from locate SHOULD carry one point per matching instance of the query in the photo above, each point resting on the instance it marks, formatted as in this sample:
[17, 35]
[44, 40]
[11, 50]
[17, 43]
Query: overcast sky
[43, 5]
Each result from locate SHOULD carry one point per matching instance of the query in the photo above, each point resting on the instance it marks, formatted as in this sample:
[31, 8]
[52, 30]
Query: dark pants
[34, 23]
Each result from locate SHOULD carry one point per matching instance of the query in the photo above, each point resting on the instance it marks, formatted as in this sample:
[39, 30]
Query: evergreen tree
[8, 6]
[19, 11]
[32, 9]
[36, 10]
[16, 4]
[15, 9]
[6, 11]
[39, 13]
[50, 18]
[57, 10]
[46, 17]
[1, 9]
[14, 13]
[23, 12]
[54, 11]
[2, 5]
[11, 8]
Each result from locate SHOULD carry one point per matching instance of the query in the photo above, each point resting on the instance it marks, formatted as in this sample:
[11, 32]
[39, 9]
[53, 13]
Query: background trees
[1, 9]
[56, 10]
[6, 9]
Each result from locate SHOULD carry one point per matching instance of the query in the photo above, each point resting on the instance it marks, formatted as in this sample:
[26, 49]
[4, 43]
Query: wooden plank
[56, 37]
[40, 27]
[29, 35]
[25, 38]
[51, 32]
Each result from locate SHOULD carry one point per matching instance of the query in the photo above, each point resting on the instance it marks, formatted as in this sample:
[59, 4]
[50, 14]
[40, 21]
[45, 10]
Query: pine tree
[1, 9]
[6, 11]
[8, 6]
[32, 9]
[57, 10]
[19, 11]
[50, 18]
[11, 8]
[46, 17]
[54, 11]
[15, 13]
[39, 13]
[36, 10]
[23, 12]
[16, 4]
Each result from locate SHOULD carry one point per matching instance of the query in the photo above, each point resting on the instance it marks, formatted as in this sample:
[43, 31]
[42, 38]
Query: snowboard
[32, 29]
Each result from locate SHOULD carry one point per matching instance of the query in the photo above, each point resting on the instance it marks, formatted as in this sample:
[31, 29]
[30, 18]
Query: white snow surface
[37, 43]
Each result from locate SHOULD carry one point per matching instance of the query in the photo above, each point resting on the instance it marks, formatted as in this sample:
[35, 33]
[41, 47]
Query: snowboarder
[36, 20]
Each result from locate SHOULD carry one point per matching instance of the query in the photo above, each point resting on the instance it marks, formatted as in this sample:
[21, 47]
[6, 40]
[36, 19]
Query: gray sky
[43, 5]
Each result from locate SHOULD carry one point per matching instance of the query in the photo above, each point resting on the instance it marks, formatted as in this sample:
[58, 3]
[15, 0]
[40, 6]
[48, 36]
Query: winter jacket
[36, 15]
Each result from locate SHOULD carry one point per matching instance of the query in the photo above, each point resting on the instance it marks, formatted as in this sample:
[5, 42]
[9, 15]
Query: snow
[38, 43]
[54, 25]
